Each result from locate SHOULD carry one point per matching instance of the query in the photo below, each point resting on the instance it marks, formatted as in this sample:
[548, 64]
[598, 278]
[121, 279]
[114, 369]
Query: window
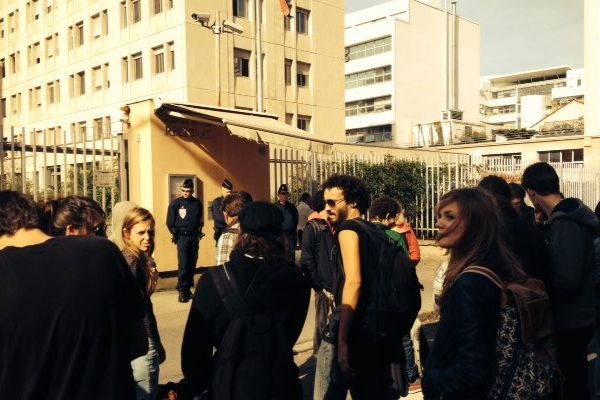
[560, 156]
[34, 54]
[2, 108]
[289, 118]
[377, 46]
[380, 133]
[123, 14]
[138, 72]
[303, 122]
[2, 68]
[302, 20]
[369, 77]
[106, 76]
[97, 128]
[240, 8]
[287, 25]
[125, 69]
[1, 28]
[79, 34]
[241, 62]
[302, 74]
[80, 131]
[37, 97]
[170, 4]
[34, 10]
[80, 83]
[137, 10]
[97, 78]
[171, 47]
[51, 46]
[95, 26]
[49, 6]
[158, 7]
[288, 72]
[53, 92]
[13, 21]
[158, 60]
[104, 22]
[368, 106]
[13, 62]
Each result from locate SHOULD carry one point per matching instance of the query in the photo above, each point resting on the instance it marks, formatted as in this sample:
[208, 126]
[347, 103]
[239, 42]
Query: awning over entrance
[261, 128]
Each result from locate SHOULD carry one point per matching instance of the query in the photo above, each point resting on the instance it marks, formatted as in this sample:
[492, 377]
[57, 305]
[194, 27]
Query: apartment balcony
[372, 119]
[560, 92]
[504, 101]
[499, 118]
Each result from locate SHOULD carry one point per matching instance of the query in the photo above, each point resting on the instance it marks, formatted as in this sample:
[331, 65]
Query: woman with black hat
[251, 309]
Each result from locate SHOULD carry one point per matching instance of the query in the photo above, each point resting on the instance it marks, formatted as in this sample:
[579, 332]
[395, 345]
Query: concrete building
[591, 64]
[518, 100]
[397, 73]
[69, 65]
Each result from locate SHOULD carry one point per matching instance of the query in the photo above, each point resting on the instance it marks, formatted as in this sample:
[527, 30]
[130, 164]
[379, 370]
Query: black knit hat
[261, 219]
[227, 184]
[188, 184]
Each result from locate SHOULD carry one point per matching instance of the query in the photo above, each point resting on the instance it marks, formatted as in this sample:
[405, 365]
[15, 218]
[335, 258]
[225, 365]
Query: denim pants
[187, 255]
[409, 351]
[145, 374]
[372, 380]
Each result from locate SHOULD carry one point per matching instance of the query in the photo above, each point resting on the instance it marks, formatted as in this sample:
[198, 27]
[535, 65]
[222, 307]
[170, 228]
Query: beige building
[70, 65]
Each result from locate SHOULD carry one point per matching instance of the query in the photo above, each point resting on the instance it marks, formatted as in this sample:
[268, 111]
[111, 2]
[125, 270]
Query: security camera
[203, 18]
[233, 26]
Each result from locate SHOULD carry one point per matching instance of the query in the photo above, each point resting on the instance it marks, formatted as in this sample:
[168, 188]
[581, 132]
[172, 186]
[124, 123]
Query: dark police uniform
[218, 217]
[184, 220]
[288, 226]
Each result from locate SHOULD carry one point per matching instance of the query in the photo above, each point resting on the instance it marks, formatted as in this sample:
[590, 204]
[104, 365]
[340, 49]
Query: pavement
[172, 316]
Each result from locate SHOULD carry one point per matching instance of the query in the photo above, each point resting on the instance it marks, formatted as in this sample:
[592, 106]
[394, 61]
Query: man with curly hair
[70, 323]
[348, 358]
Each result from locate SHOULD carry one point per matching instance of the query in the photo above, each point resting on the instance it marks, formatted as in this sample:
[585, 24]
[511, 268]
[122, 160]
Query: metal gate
[53, 163]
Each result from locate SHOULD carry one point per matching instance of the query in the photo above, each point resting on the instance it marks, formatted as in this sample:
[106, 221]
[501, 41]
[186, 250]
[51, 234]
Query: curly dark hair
[384, 207]
[17, 211]
[79, 211]
[355, 190]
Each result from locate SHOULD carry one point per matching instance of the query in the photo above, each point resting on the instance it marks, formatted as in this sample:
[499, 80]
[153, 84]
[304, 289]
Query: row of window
[240, 10]
[369, 77]
[302, 121]
[552, 156]
[130, 13]
[241, 68]
[368, 106]
[132, 68]
[370, 48]
[380, 133]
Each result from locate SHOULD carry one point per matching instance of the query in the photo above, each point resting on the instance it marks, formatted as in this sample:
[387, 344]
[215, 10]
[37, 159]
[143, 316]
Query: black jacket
[570, 231]
[461, 363]
[316, 260]
[185, 216]
[217, 214]
[290, 217]
[208, 319]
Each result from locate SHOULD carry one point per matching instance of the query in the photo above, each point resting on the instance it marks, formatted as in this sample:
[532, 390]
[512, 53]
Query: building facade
[392, 82]
[68, 66]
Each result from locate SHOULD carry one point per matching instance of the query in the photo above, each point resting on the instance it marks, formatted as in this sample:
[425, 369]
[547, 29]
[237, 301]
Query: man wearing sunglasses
[185, 222]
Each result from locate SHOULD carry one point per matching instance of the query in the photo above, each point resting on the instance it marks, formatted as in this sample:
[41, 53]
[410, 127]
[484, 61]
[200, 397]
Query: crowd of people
[520, 284]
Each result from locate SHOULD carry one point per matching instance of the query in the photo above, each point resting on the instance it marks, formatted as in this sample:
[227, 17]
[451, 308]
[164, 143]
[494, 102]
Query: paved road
[172, 315]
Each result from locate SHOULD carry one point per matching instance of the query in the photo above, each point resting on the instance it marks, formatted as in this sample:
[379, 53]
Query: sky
[520, 35]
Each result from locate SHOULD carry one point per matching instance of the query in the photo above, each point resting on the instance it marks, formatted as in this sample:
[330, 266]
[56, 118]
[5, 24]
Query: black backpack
[253, 360]
[392, 289]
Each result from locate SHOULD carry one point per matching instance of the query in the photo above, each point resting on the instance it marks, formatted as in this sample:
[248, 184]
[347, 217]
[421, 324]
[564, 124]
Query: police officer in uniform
[290, 219]
[217, 213]
[184, 220]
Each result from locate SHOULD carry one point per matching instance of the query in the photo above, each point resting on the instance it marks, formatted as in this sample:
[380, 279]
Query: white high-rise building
[408, 62]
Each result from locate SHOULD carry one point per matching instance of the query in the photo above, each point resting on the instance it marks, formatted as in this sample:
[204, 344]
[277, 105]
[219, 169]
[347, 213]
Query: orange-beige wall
[152, 156]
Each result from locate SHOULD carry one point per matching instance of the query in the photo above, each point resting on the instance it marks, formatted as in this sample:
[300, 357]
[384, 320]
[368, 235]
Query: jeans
[409, 351]
[145, 374]
[372, 379]
[323, 303]
[187, 255]
[571, 345]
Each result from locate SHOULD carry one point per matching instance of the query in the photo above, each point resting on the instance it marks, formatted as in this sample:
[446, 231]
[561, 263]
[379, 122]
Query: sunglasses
[332, 203]
[99, 230]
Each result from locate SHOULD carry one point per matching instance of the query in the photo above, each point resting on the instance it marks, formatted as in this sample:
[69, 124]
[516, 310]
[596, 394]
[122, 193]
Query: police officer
[217, 213]
[184, 220]
[290, 219]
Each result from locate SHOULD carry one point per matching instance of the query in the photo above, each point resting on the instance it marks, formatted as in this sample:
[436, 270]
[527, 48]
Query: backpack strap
[491, 275]
[228, 290]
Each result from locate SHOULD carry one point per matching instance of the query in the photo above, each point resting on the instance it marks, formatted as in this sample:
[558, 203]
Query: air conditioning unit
[452, 114]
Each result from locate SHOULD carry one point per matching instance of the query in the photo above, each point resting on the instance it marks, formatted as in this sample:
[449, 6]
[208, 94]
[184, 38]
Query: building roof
[524, 75]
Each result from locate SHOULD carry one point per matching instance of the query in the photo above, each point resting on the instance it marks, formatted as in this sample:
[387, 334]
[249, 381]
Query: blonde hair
[135, 216]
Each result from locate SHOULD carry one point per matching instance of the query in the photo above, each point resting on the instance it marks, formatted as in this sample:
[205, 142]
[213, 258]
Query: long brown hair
[481, 243]
[271, 248]
[133, 217]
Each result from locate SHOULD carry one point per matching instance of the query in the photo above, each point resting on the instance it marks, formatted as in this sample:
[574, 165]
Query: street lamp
[218, 27]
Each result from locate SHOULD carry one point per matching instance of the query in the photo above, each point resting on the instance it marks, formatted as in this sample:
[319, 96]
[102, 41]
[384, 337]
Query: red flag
[285, 7]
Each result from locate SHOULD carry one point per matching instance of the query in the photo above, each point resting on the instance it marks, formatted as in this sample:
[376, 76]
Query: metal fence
[305, 170]
[53, 163]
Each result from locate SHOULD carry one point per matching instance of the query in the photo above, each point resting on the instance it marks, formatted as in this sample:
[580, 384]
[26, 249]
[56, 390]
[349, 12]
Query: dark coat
[208, 319]
[317, 261]
[461, 363]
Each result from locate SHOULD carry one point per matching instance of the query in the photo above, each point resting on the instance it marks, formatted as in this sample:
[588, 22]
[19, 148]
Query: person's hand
[344, 360]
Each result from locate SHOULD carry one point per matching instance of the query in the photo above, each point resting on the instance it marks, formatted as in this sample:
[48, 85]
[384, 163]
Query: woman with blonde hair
[461, 364]
[137, 233]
